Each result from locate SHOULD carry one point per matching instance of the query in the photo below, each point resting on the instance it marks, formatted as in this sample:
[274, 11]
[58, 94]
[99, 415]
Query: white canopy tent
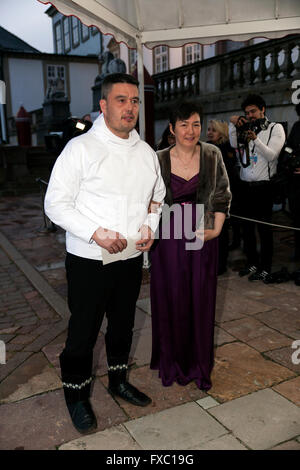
[178, 22]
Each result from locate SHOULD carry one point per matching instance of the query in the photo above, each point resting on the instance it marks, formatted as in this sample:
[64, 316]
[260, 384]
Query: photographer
[258, 142]
[293, 143]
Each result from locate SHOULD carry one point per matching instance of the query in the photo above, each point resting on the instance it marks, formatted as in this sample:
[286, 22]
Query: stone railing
[258, 64]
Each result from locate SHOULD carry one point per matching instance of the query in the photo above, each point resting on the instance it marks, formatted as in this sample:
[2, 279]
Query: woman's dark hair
[183, 111]
[255, 100]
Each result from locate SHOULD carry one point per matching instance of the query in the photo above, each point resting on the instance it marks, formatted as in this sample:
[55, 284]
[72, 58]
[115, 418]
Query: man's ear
[171, 129]
[102, 104]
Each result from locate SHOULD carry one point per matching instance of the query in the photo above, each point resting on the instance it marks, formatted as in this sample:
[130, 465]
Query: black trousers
[93, 290]
[256, 203]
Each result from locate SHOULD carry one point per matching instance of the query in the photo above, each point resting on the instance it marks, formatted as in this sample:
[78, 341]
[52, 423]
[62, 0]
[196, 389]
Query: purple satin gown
[183, 297]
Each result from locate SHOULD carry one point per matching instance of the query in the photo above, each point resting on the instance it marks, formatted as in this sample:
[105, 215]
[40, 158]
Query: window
[75, 31]
[192, 53]
[56, 78]
[85, 32]
[161, 59]
[94, 30]
[66, 30]
[58, 38]
[132, 57]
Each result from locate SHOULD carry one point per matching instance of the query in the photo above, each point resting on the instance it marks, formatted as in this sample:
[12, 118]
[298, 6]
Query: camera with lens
[255, 126]
[290, 159]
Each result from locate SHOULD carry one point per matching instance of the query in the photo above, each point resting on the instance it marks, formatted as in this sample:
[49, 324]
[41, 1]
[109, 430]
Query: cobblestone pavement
[255, 398]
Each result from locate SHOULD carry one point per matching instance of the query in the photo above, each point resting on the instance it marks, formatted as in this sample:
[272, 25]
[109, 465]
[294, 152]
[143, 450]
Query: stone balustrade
[248, 67]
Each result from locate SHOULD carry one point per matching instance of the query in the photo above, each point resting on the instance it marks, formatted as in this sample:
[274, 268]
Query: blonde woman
[218, 134]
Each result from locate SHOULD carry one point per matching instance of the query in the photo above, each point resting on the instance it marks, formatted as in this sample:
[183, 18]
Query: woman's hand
[210, 234]
[147, 239]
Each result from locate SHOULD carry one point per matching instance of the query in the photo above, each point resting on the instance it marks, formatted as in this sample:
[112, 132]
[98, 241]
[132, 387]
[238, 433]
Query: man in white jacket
[258, 158]
[100, 192]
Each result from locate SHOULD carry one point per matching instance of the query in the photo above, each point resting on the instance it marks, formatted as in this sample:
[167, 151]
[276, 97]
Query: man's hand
[112, 241]
[238, 120]
[147, 239]
[297, 171]
[251, 135]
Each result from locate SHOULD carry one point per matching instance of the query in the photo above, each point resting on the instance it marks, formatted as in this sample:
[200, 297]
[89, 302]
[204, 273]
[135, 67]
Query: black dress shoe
[129, 393]
[247, 270]
[82, 416]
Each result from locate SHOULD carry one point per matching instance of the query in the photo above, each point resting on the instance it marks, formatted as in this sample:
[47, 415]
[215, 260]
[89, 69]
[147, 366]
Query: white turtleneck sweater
[101, 180]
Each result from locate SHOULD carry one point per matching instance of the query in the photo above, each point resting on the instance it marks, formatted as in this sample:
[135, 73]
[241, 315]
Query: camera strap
[269, 172]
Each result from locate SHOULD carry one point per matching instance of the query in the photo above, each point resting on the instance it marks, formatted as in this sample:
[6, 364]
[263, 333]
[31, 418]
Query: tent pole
[140, 69]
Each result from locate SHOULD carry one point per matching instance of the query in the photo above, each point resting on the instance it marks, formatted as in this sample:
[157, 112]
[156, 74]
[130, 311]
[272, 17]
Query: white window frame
[58, 38]
[75, 31]
[85, 32]
[55, 71]
[192, 53]
[67, 35]
[161, 59]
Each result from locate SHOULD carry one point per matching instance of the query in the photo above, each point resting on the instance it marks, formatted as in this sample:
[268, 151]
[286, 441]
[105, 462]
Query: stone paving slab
[148, 382]
[115, 438]
[222, 337]
[286, 322]
[284, 356]
[227, 442]
[162, 431]
[141, 346]
[35, 376]
[232, 306]
[290, 390]
[144, 304]
[290, 445]
[286, 302]
[253, 290]
[240, 370]
[13, 363]
[43, 422]
[260, 420]
[256, 334]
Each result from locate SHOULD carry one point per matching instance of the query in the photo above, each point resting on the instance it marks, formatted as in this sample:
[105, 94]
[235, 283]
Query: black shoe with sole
[247, 270]
[260, 276]
[82, 416]
[129, 393]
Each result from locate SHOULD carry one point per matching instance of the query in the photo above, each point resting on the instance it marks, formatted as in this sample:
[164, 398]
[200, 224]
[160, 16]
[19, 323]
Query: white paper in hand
[129, 251]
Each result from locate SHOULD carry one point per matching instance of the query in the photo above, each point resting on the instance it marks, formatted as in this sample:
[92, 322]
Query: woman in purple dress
[184, 270]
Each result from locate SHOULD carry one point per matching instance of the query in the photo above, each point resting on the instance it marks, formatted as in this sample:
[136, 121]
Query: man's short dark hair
[113, 78]
[255, 100]
[183, 111]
